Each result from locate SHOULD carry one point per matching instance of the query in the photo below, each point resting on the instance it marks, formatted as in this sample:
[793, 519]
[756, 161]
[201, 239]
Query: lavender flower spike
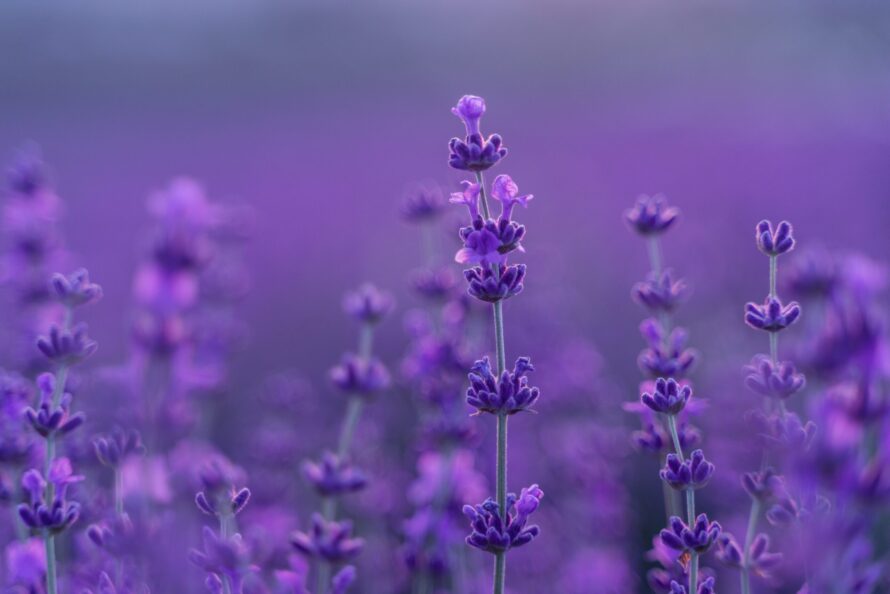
[75, 289]
[505, 191]
[495, 532]
[494, 285]
[669, 397]
[706, 587]
[774, 242]
[368, 304]
[469, 198]
[331, 541]
[683, 475]
[474, 153]
[699, 537]
[772, 316]
[507, 394]
[67, 347]
[651, 215]
[778, 381]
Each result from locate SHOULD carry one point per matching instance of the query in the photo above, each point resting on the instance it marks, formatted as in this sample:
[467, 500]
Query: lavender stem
[749, 538]
[654, 255]
[690, 506]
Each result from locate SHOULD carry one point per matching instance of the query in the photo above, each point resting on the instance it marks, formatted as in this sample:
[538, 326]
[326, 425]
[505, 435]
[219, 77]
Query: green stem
[672, 427]
[118, 492]
[322, 577]
[483, 201]
[749, 538]
[693, 556]
[773, 265]
[654, 255]
[224, 534]
[49, 543]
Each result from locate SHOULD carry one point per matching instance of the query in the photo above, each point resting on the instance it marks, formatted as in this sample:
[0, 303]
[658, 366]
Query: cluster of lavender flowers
[435, 371]
[499, 524]
[360, 377]
[48, 512]
[665, 404]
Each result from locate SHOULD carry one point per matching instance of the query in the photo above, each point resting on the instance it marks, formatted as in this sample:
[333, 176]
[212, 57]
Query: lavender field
[317, 297]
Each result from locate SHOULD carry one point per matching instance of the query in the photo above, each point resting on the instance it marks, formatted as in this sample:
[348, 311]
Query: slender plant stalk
[500, 559]
[49, 540]
[690, 506]
[344, 443]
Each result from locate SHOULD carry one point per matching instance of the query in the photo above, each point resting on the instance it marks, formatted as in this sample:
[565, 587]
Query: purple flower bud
[67, 347]
[700, 537]
[359, 376]
[223, 556]
[651, 215]
[660, 293]
[669, 397]
[774, 243]
[763, 486]
[772, 316]
[436, 284]
[328, 540]
[474, 153]
[469, 198]
[497, 533]
[332, 476]
[53, 516]
[505, 191]
[470, 109]
[683, 475]
[423, 204]
[343, 579]
[508, 394]
[112, 449]
[368, 304]
[775, 381]
[489, 286]
[666, 356]
[705, 587]
[75, 289]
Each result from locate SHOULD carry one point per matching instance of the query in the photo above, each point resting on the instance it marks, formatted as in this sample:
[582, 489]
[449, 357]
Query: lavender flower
[693, 473]
[669, 397]
[360, 376]
[757, 559]
[660, 293]
[651, 215]
[49, 419]
[225, 506]
[368, 304]
[474, 153]
[667, 355]
[112, 449]
[774, 242]
[57, 514]
[780, 381]
[423, 204]
[699, 537]
[224, 558]
[328, 540]
[507, 394]
[332, 476]
[705, 587]
[495, 284]
[75, 289]
[497, 532]
[67, 347]
[772, 316]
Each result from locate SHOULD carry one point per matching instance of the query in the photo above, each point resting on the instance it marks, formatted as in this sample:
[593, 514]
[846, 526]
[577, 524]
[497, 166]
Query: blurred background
[321, 116]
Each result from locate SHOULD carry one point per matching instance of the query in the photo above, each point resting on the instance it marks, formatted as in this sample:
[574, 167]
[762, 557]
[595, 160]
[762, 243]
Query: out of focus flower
[359, 376]
[223, 505]
[75, 289]
[368, 304]
[666, 356]
[223, 558]
[660, 293]
[759, 560]
[113, 448]
[328, 540]
[423, 204]
[651, 215]
[67, 347]
[333, 476]
[775, 381]
[48, 419]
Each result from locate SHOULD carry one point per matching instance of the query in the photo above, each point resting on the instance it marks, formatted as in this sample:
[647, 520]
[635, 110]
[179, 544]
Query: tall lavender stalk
[500, 524]
[775, 381]
[360, 377]
[665, 407]
[48, 511]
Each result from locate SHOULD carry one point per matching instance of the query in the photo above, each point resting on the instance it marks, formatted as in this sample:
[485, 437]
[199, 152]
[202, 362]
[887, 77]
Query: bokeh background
[320, 116]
